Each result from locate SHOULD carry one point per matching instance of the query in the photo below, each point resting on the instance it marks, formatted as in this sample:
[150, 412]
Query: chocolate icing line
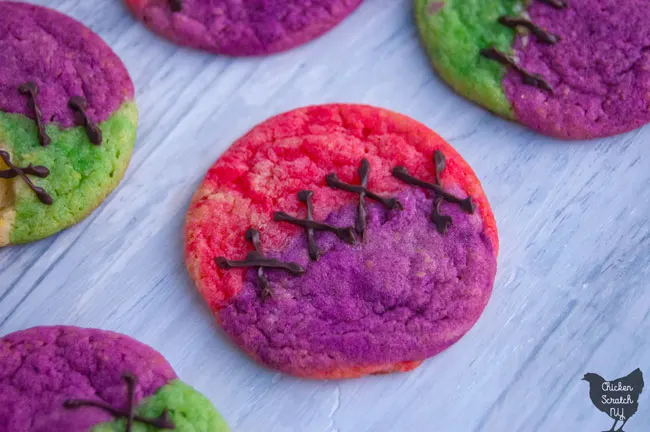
[306, 197]
[441, 221]
[253, 236]
[506, 60]
[333, 181]
[162, 422]
[37, 171]
[176, 5]
[257, 259]
[360, 225]
[440, 163]
[79, 105]
[402, 173]
[345, 233]
[557, 4]
[542, 35]
[30, 89]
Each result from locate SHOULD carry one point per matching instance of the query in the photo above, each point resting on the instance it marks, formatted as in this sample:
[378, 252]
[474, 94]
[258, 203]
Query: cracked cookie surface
[385, 304]
[237, 28]
[42, 367]
[599, 70]
[62, 59]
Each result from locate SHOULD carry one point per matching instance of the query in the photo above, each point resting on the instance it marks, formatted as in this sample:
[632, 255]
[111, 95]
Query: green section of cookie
[81, 174]
[188, 409]
[454, 32]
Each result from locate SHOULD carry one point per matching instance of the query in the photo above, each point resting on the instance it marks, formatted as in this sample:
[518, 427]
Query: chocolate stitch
[257, 259]
[306, 197]
[333, 181]
[37, 171]
[542, 35]
[442, 221]
[506, 60]
[30, 89]
[79, 105]
[346, 233]
[161, 422]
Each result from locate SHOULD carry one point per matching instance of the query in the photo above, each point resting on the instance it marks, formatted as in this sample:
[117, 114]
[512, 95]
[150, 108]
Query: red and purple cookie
[341, 240]
[242, 28]
[572, 69]
[70, 379]
[67, 121]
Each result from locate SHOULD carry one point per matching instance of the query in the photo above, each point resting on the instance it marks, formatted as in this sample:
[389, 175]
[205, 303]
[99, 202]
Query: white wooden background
[572, 292]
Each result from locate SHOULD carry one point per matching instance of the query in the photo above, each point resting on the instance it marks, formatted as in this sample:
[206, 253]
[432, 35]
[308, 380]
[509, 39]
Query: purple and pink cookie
[70, 379]
[572, 69]
[67, 121]
[242, 28]
[336, 241]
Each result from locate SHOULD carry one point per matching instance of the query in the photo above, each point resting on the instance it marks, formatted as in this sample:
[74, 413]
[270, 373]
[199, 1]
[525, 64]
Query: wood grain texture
[572, 292]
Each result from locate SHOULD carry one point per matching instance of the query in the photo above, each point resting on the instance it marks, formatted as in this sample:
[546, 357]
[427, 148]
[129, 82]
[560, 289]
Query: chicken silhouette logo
[618, 398]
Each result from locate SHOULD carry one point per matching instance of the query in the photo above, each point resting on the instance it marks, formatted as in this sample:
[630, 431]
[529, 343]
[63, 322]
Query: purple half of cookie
[64, 59]
[406, 291]
[242, 28]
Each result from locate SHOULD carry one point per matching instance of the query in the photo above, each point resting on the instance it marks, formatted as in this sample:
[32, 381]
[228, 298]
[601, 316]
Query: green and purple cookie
[341, 240]
[67, 122]
[70, 379]
[572, 69]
